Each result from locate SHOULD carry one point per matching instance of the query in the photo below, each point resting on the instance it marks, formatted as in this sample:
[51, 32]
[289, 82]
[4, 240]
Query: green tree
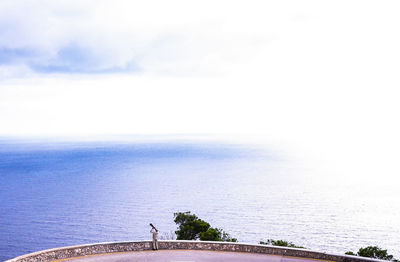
[227, 238]
[281, 243]
[373, 252]
[216, 234]
[190, 227]
[212, 234]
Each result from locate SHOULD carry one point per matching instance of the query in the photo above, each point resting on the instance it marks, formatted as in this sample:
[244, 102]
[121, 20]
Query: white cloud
[320, 77]
[153, 36]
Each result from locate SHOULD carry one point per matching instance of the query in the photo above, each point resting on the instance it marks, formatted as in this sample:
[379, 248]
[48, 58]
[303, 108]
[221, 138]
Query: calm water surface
[68, 194]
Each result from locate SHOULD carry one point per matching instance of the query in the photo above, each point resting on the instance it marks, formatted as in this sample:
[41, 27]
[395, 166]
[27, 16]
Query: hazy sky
[318, 78]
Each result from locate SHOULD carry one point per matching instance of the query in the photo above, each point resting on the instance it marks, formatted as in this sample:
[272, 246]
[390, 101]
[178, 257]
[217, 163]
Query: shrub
[373, 252]
[281, 243]
[190, 227]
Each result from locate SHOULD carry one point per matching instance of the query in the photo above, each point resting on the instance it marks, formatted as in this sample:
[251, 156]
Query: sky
[316, 79]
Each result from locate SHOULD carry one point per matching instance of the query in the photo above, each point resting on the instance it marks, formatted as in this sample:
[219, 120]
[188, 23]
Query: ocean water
[60, 194]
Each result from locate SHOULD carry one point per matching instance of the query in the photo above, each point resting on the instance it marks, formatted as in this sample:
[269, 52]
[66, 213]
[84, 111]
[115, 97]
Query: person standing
[154, 231]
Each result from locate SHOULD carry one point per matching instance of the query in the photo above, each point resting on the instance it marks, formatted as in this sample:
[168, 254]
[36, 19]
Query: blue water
[59, 194]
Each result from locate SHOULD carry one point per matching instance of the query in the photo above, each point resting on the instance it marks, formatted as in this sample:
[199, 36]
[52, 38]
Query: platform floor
[185, 256]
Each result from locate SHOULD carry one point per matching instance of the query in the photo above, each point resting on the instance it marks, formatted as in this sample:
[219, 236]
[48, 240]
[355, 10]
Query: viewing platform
[183, 251]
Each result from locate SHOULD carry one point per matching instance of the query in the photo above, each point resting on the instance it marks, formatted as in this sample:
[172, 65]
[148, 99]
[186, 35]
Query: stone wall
[102, 248]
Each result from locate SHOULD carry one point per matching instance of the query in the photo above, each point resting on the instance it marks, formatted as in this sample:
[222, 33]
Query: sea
[62, 193]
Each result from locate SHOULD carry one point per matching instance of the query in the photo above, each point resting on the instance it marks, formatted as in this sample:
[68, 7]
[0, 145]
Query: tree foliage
[227, 238]
[281, 243]
[190, 227]
[373, 252]
[216, 234]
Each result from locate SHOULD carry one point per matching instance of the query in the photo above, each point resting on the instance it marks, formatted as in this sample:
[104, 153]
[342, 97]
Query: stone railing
[103, 248]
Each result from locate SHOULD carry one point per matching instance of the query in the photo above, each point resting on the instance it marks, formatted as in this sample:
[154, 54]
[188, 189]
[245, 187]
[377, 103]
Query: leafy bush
[373, 252]
[190, 227]
[281, 243]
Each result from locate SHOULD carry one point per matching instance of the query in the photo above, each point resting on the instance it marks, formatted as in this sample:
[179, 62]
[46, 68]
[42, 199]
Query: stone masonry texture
[102, 248]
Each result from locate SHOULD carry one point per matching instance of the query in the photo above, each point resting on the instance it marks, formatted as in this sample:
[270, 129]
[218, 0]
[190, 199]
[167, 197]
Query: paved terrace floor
[186, 256]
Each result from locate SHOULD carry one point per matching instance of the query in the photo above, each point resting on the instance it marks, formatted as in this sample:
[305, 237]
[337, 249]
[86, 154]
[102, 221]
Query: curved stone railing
[103, 248]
